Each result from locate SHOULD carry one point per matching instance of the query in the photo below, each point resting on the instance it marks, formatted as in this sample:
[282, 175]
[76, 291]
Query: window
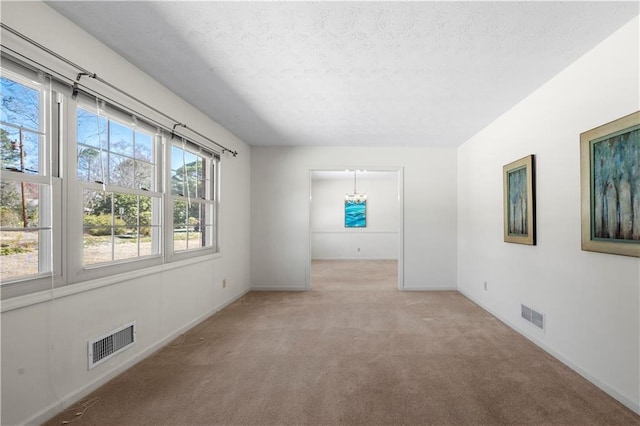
[26, 183]
[194, 198]
[117, 167]
[131, 198]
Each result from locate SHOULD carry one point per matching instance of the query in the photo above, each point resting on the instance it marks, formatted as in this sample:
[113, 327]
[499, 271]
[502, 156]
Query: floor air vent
[535, 318]
[104, 347]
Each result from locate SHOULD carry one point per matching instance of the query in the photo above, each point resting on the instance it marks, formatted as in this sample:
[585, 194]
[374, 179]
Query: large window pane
[30, 152]
[126, 209]
[191, 221]
[9, 148]
[19, 256]
[92, 144]
[195, 238]
[98, 208]
[20, 211]
[196, 174]
[119, 226]
[20, 150]
[98, 223]
[188, 174]
[20, 202]
[144, 147]
[180, 215]
[120, 139]
[126, 244]
[92, 130]
[144, 173]
[20, 104]
[121, 171]
[97, 246]
[127, 162]
[20, 143]
[177, 171]
[180, 229]
[196, 216]
[90, 168]
[151, 226]
[189, 171]
[145, 212]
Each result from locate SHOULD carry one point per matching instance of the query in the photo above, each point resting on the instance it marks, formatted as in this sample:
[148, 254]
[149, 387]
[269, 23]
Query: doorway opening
[367, 255]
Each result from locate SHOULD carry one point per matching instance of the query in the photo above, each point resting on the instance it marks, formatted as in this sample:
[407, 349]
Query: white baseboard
[276, 288]
[354, 258]
[71, 398]
[419, 288]
[633, 406]
[430, 288]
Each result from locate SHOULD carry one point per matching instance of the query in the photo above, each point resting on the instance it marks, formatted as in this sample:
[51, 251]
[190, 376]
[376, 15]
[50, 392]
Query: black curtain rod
[87, 73]
[76, 88]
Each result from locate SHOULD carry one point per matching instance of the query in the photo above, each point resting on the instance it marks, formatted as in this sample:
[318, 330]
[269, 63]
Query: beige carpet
[353, 350]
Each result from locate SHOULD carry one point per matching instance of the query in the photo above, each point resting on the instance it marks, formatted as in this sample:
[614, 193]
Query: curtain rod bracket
[173, 131]
[81, 74]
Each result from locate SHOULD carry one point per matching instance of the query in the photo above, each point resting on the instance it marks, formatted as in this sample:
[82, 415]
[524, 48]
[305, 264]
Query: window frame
[75, 246]
[49, 246]
[64, 246]
[212, 158]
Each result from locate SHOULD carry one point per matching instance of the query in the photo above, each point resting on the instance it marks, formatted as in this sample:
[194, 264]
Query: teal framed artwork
[519, 201]
[610, 187]
[355, 213]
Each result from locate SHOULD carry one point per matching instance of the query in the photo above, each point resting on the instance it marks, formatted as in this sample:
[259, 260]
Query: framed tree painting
[519, 201]
[610, 187]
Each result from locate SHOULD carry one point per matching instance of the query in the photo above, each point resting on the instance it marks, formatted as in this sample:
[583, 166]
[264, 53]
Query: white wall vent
[535, 318]
[104, 347]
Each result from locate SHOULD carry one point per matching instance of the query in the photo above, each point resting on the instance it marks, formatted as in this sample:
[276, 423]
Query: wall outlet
[224, 283]
[485, 286]
[358, 249]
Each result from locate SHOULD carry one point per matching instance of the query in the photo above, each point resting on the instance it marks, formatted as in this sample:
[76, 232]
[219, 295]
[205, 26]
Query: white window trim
[77, 270]
[49, 246]
[68, 274]
[214, 190]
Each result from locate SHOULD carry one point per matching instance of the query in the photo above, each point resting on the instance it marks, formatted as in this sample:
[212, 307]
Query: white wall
[280, 189]
[44, 345]
[378, 240]
[591, 300]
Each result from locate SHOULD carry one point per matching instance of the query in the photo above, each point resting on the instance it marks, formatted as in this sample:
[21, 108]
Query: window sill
[20, 302]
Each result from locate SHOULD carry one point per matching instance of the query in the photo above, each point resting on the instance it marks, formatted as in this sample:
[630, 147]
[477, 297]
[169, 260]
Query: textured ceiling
[351, 73]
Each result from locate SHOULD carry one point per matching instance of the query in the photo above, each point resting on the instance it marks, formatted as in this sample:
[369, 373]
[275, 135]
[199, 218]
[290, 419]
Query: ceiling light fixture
[355, 197]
